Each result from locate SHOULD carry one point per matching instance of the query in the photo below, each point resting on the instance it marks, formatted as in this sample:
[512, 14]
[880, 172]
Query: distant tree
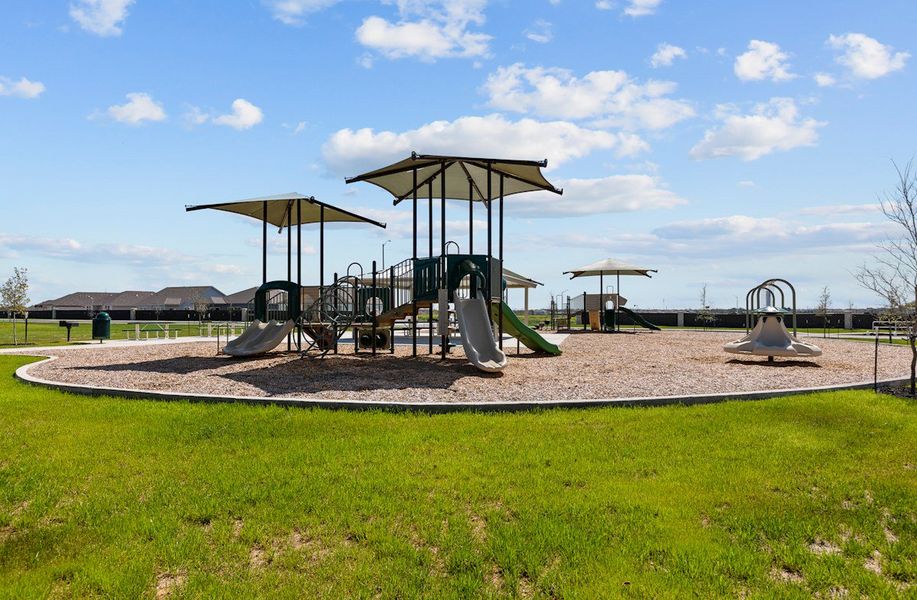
[200, 304]
[824, 301]
[14, 297]
[894, 276]
[705, 315]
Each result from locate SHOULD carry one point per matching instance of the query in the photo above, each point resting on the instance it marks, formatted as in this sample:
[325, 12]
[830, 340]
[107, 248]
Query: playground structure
[371, 304]
[594, 308]
[765, 328]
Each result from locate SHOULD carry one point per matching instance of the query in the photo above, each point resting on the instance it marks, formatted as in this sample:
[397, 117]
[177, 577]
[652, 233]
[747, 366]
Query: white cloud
[641, 8]
[139, 107]
[740, 234]
[612, 97]
[584, 197]
[298, 128]
[824, 79]
[746, 183]
[633, 8]
[294, 12]
[775, 125]
[195, 116]
[101, 17]
[763, 60]
[865, 57]
[428, 30]
[244, 115]
[840, 209]
[541, 32]
[666, 54]
[349, 151]
[733, 236]
[23, 88]
[70, 249]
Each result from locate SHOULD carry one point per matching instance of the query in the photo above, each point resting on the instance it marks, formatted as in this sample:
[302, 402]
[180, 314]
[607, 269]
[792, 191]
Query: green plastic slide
[638, 319]
[516, 328]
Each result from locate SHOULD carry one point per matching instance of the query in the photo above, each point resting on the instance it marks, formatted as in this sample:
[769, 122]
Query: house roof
[185, 295]
[130, 299]
[80, 299]
[245, 296]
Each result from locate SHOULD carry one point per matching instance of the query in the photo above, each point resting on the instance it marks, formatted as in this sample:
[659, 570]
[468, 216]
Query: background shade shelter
[608, 266]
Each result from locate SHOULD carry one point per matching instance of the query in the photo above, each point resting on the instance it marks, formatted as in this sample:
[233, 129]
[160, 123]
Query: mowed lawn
[779, 498]
[46, 333]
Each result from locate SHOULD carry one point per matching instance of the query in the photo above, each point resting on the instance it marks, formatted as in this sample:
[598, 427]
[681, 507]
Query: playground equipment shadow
[311, 376]
[777, 364]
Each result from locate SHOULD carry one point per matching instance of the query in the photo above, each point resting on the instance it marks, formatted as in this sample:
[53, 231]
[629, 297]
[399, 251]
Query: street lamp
[383, 252]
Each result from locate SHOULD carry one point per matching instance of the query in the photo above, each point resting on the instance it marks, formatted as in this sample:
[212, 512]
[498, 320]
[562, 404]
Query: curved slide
[519, 330]
[638, 319]
[477, 337]
[259, 338]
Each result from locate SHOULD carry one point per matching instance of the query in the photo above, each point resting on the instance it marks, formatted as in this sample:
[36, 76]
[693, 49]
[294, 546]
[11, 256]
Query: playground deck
[592, 366]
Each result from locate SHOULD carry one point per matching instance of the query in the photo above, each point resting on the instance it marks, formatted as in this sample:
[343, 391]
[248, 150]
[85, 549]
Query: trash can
[101, 327]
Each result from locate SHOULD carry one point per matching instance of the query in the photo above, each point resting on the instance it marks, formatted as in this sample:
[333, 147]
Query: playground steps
[387, 319]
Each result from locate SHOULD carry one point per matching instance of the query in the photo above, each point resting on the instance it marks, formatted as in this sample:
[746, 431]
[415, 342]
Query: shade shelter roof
[460, 173]
[282, 210]
[515, 280]
[609, 266]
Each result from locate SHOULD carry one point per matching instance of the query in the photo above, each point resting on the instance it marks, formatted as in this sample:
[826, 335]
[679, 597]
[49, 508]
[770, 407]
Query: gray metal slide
[259, 338]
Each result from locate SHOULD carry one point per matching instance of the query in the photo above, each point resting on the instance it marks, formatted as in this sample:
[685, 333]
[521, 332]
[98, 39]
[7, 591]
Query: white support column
[526, 305]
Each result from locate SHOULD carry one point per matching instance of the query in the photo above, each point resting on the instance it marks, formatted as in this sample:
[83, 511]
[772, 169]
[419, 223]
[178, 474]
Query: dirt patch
[496, 578]
[873, 563]
[437, 564]
[525, 588]
[7, 532]
[257, 557]
[787, 575]
[168, 583]
[478, 528]
[237, 525]
[821, 547]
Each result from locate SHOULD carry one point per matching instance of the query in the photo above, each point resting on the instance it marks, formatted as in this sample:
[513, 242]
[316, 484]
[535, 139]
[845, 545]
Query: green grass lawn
[102, 497]
[48, 333]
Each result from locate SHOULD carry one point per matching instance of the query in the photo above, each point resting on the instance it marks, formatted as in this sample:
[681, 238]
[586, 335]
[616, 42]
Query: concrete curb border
[23, 375]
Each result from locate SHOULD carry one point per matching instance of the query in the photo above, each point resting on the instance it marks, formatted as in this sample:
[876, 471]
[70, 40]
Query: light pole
[383, 252]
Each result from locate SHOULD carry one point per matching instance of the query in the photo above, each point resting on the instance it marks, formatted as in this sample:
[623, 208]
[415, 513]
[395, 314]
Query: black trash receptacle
[101, 327]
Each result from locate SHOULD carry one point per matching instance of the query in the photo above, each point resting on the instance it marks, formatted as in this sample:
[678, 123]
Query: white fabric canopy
[283, 209]
[515, 280]
[466, 177]
[609, 266]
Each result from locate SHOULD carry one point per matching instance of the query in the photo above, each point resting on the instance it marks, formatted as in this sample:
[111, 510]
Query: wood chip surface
[593, 366]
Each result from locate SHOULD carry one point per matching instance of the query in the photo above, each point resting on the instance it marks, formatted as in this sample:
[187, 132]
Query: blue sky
[719, 142]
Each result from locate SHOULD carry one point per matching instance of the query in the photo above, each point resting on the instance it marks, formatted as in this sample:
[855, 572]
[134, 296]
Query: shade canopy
[284, 210]
[515, 280]
[609, 266]
[518, 176]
